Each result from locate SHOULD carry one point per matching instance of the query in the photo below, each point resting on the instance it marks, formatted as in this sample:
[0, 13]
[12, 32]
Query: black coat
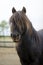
[30, 50]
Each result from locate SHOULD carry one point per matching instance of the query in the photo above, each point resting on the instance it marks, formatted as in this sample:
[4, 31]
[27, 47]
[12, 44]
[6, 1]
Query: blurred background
[34, 8]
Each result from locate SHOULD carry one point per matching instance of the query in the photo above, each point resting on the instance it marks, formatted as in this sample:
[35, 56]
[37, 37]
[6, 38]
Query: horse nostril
[15, 35]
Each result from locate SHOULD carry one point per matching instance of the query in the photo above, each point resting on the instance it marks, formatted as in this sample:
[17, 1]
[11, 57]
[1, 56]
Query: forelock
[18, 16]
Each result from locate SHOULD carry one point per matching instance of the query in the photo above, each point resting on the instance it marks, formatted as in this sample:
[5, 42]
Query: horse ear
[24, 10]
[13, 10]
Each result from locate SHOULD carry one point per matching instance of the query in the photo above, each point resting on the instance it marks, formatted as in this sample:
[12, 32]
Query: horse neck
[30, 39]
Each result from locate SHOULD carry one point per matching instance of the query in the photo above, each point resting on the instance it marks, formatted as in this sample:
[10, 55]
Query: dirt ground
[8, 56]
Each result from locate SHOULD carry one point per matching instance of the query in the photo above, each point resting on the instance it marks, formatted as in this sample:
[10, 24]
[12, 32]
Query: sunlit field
[8, 55]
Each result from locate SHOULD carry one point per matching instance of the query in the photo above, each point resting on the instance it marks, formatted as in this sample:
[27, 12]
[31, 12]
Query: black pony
[29, 41]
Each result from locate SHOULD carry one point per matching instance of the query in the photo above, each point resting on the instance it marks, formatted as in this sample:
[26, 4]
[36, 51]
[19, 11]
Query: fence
[6, 42]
